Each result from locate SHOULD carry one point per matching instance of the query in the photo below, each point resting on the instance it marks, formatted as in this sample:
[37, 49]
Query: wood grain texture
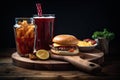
[8, 71]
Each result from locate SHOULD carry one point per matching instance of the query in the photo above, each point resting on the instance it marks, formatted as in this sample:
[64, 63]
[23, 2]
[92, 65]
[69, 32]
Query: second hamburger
[65, 44]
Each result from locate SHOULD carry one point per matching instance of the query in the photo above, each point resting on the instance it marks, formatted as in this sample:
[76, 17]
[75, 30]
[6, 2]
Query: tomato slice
[71, 50]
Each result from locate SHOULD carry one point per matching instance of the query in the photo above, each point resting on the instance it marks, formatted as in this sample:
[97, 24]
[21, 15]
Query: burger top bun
[65, 39]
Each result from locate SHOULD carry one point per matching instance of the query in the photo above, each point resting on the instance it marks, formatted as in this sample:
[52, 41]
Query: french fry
[20, 32]
[32, 35]
[25, 34]
[29, 32]
[24, 23]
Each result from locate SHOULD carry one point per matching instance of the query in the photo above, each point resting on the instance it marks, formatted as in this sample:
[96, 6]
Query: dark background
[78, 17]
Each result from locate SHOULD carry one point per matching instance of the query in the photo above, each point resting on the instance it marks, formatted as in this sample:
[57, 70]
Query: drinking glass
[24, 31]
[44, 30]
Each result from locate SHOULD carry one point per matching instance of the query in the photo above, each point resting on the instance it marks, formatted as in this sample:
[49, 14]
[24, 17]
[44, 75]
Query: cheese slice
[56, 44]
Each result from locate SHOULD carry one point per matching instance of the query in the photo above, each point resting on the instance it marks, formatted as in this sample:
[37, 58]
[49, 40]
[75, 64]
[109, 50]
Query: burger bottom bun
[65, 52]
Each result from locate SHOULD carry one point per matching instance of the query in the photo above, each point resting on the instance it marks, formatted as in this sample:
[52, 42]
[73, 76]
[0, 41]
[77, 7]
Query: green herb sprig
[103, 34]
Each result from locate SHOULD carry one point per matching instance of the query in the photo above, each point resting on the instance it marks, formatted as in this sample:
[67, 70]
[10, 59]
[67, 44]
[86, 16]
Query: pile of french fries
[25, 37]
[84, 43]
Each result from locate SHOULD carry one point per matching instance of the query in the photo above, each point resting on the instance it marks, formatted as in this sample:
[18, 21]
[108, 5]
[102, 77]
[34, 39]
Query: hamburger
[65, 44]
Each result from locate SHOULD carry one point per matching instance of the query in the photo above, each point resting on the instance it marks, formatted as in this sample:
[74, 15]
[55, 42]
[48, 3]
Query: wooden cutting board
[95, 56]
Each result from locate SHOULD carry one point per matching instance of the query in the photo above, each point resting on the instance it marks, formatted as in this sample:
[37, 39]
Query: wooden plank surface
[8, 71]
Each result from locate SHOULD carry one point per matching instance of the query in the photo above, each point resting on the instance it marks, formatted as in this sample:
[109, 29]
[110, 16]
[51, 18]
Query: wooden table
[8, 71]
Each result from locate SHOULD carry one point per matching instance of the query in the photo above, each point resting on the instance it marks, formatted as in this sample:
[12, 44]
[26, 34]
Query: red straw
[39, 9]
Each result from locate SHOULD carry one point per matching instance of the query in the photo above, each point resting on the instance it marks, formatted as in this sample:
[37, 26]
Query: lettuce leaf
[104, 34]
